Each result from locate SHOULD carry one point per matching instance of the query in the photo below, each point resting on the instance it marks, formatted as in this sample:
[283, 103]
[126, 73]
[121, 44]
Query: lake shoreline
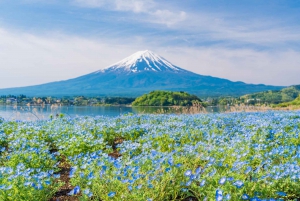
[44, 112]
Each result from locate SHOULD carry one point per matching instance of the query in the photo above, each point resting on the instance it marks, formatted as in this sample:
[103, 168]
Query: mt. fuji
[143, 61]
[137, 74]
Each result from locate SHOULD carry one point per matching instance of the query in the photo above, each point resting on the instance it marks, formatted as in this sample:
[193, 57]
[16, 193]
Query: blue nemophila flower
[280, 193]
[168, 169]
[188, 183]
[192, 177]
[117, 165]
[104, 167]
[248, 170]
[227, 196]
[90, 176]
[72, 171]
[212, 173]
[178, 165]
[255, 199]
[111, 194]
[245, 197]
[222, 180]
[102, 172]
[9, 187]
[198, 171]
[202, 183]
[130, 188]
[188, 173]
[184, 189]
[2, 149]
[28, 183]
[238, 184]
[154, 152]
[88, 192]
[74, 191]
[171, 161]
[219, 195]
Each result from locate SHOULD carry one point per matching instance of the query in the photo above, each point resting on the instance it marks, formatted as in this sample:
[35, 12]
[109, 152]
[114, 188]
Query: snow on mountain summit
[143, 61]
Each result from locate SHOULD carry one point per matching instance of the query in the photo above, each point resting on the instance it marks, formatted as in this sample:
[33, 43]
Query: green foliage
[61, 115]
[166, 98]
[119, 100]
[294, 103]
[273, 97]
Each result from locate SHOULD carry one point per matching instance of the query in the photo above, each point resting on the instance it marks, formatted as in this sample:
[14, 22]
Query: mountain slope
[137, 74]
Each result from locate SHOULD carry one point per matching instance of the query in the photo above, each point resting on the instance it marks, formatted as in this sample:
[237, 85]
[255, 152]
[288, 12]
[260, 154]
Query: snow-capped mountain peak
[143, 61]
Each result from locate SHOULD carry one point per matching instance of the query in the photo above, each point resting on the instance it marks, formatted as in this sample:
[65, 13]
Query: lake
[31, 113]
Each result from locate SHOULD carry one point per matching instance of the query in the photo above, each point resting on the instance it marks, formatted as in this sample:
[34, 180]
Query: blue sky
[252, 41]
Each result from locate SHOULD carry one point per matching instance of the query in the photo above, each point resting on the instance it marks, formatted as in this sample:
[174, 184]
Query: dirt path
[62, 193]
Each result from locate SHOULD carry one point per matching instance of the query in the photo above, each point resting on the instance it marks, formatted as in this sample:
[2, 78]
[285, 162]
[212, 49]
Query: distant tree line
[119, 100]
[161, 98]
[68, 100]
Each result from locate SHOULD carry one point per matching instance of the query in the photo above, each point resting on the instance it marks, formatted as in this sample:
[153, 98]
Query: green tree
[166, 98]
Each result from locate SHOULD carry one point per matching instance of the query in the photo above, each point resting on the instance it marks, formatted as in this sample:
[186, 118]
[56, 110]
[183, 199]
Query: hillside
[138, 74]
[295, 103]
[166, 98]
[274, 96]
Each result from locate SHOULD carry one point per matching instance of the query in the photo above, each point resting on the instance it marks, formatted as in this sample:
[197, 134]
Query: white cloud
[247, 65]
[205, 26]
[28, 59]
[91, 3]
[150, 9]
[223, 27]
[168, 17]
[137, 6]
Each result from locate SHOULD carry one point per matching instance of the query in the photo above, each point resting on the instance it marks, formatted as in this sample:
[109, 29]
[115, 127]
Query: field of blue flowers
[234, 156]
